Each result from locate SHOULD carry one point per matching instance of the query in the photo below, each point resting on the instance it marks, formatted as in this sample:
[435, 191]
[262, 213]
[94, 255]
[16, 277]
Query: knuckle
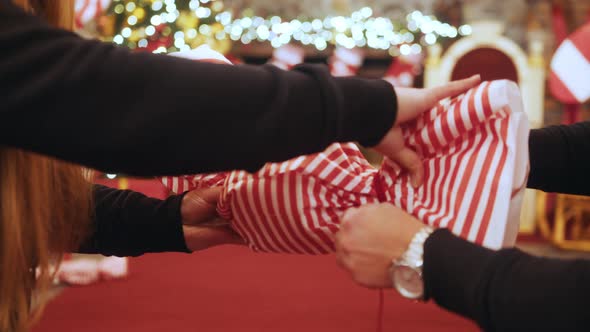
[345, 243]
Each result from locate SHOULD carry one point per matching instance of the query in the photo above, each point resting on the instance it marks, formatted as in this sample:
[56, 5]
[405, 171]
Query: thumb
[453, 89]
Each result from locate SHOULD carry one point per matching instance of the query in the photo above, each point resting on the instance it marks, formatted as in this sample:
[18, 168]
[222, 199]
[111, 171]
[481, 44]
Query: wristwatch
[406, 271]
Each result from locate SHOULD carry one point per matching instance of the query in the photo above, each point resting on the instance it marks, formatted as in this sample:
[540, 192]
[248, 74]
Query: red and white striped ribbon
[475, 154]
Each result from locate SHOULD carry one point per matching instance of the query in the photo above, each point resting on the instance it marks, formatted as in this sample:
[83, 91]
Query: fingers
[203, 237]
[341, 252]
[411, 103]
[341, 240]
[394, 148]
[411, 162]
[209, 195]
[343, 256]
[215, 222]
[356, 251]
[344, 238]
[349, 216]
[454, 88]
[357, 269]
[225, 235]
[199, 206]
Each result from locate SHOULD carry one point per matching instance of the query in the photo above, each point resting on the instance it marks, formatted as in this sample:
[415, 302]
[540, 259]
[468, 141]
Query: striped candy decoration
[286, 57]
[475, 154]
[345, 62]
[569, 80]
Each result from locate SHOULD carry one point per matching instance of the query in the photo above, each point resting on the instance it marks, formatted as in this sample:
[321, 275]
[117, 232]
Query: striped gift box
[475, 152]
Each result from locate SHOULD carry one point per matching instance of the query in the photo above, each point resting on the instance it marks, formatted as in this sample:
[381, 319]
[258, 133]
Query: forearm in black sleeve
[560, 157]
[145, 114]
[128, 223]
[506, 290]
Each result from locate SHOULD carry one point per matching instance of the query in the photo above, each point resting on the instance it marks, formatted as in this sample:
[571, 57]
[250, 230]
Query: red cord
[380, 312]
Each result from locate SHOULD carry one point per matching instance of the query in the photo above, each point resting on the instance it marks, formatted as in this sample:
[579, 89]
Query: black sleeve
[560, 157]
[506, 290]
[145, 114]
[128, 223]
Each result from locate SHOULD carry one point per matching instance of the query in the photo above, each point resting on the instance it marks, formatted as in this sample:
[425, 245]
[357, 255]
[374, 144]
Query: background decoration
[345, 62]
[88, 10]
[288, 56]
[168, 25]
[569, 79]
[404, 69]
[89, 269]
[395, 9]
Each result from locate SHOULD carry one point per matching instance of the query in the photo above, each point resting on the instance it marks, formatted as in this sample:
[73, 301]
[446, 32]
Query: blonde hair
[45, 208]
[59, 13]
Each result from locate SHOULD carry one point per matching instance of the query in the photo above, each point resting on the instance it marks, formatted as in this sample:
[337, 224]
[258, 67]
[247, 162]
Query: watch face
[408, 282]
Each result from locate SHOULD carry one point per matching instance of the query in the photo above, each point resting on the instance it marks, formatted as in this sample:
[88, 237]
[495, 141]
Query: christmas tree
[167, 25]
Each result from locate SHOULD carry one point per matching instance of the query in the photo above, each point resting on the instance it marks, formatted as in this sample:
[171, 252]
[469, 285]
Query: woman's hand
[411, 103]
[370, 238]
[202, 226]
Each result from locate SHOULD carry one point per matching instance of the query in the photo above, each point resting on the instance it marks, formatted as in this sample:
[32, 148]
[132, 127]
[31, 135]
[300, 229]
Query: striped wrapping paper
[475, 153]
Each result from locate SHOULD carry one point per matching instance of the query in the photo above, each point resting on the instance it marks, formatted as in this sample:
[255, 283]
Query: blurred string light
[206, 21]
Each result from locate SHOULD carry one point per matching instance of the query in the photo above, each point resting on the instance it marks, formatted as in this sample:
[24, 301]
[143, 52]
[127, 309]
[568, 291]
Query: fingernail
[415, 182]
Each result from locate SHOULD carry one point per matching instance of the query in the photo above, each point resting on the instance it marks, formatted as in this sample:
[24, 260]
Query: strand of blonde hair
[45, 207]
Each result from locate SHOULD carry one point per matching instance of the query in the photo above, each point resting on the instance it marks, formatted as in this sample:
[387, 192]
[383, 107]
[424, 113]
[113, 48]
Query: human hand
[410, 104]
[202, 226]
[371, 238]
